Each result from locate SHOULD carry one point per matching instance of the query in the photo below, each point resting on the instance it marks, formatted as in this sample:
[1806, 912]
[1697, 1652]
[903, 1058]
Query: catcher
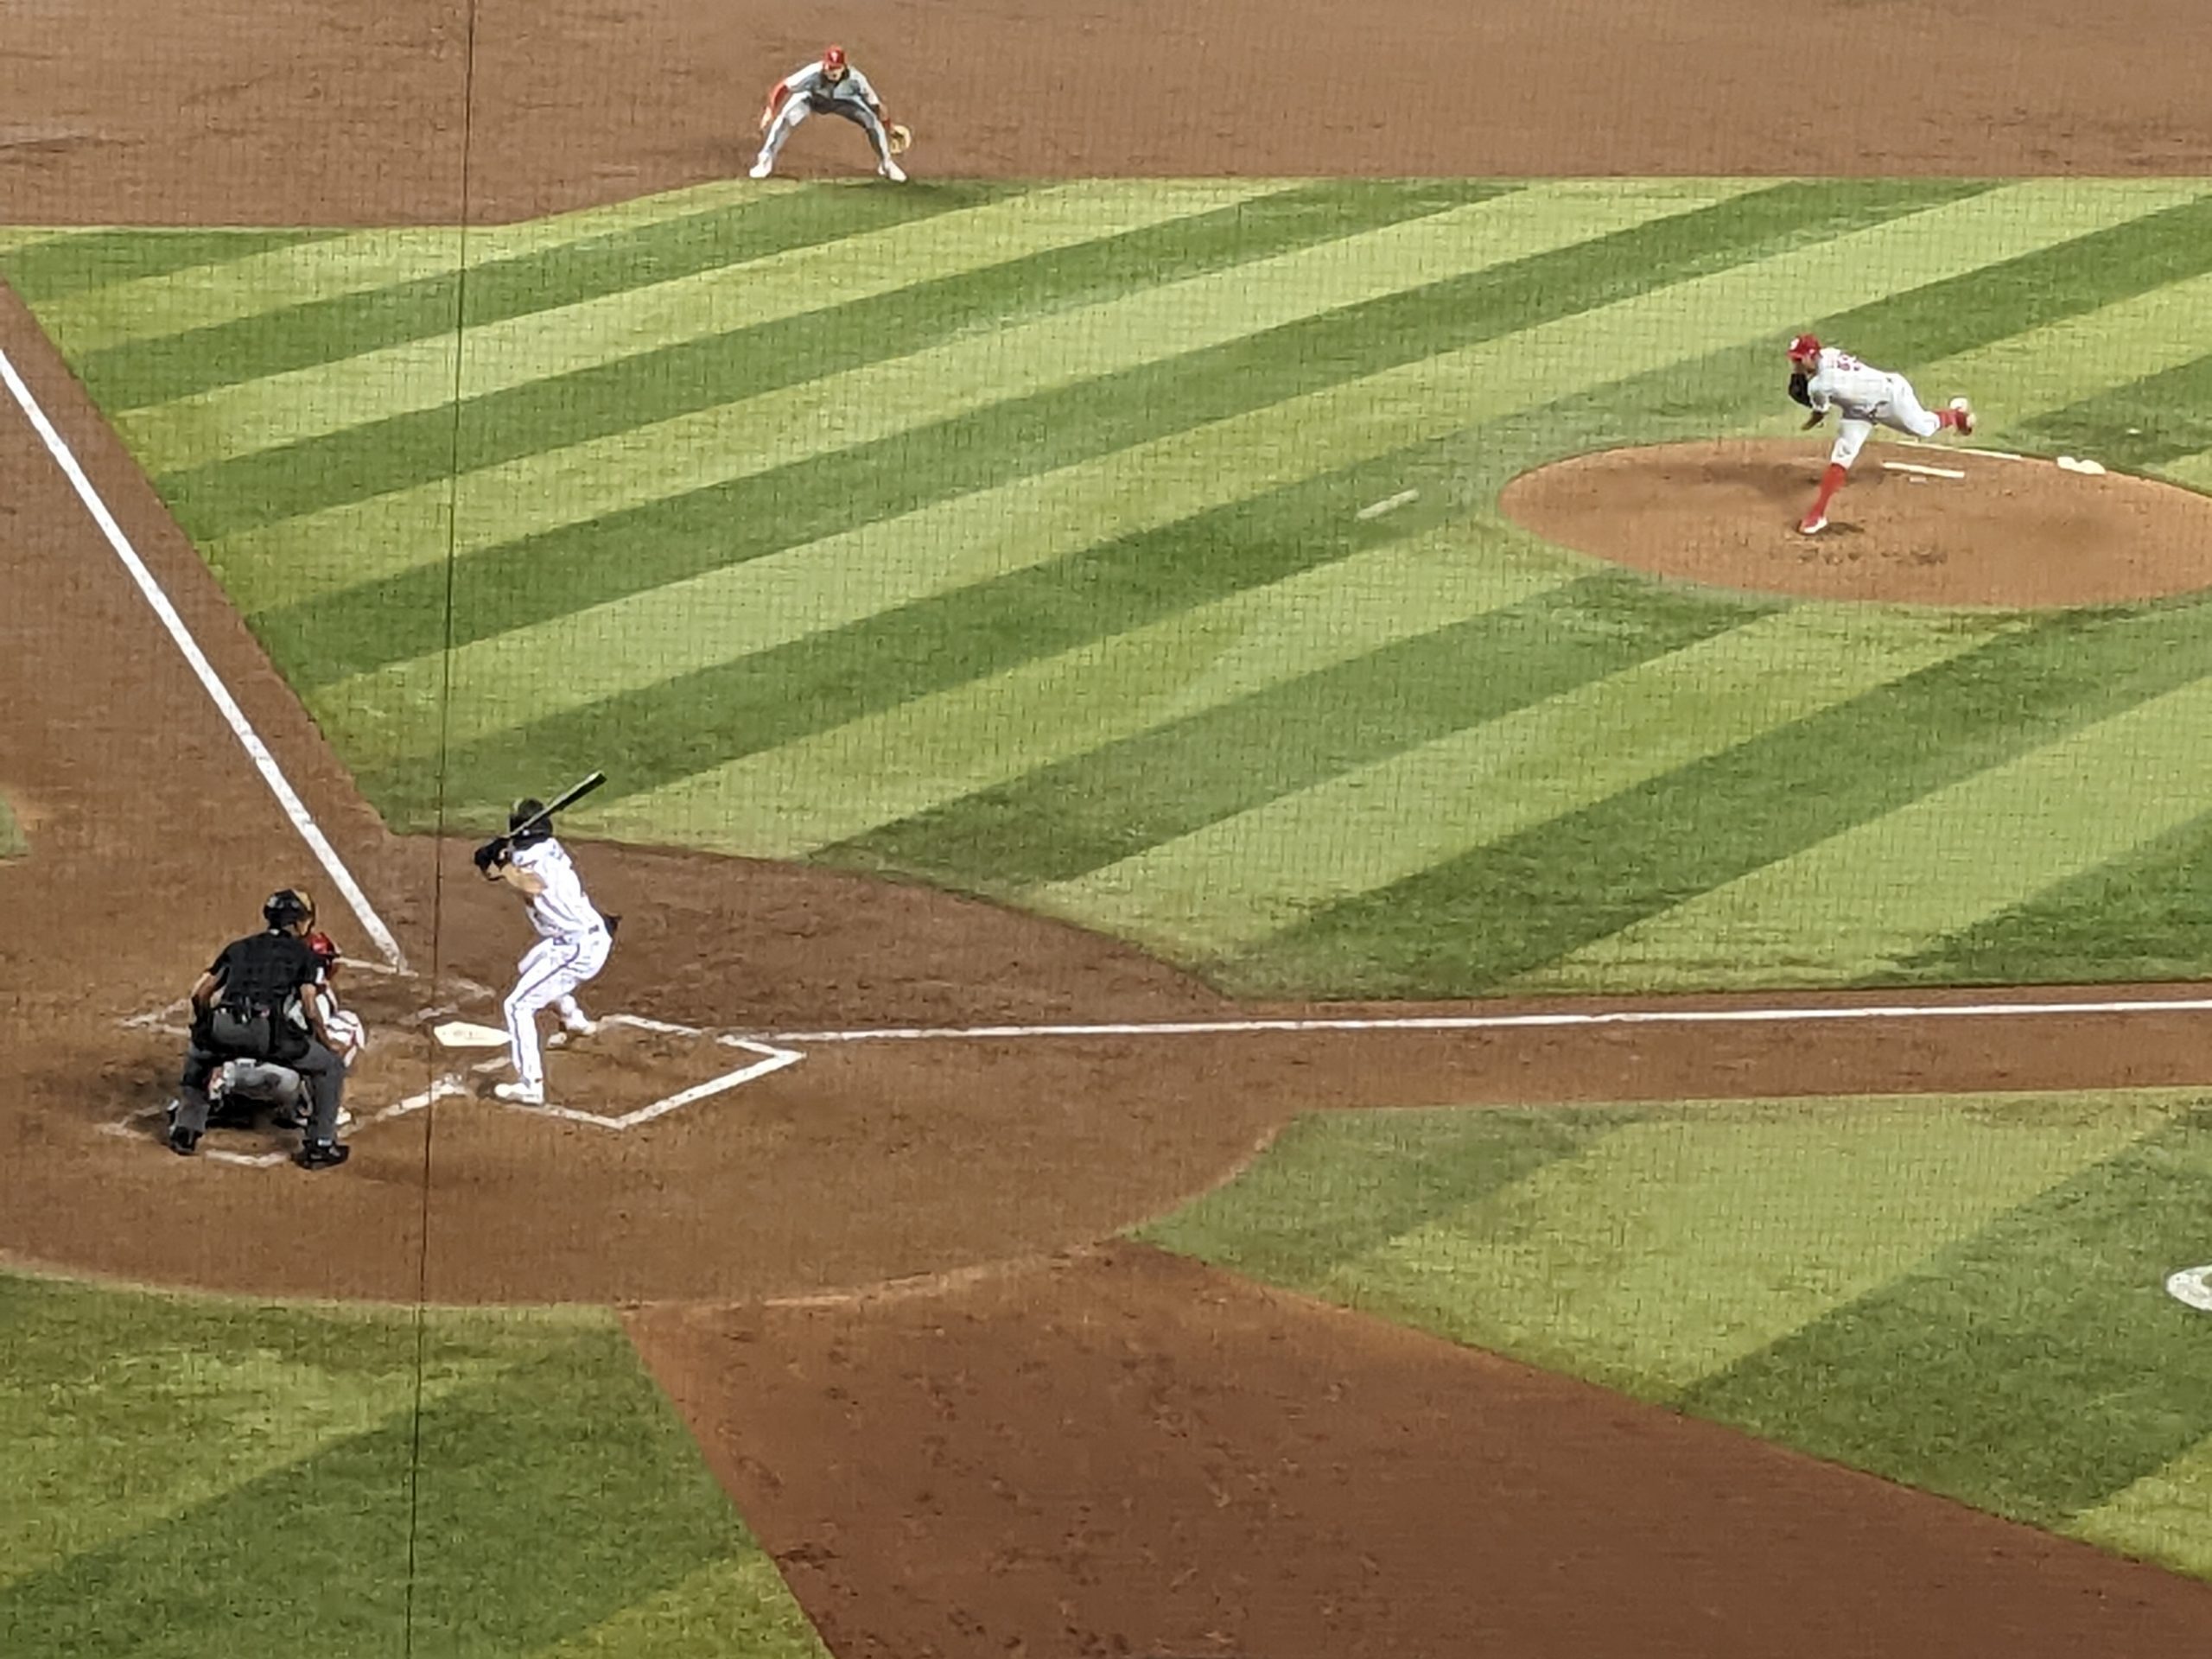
[1822, 377]
[238, 1012]
[831, 86]
[241, 1090]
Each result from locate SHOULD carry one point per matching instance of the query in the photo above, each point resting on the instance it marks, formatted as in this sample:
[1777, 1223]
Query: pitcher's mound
[2010, 533]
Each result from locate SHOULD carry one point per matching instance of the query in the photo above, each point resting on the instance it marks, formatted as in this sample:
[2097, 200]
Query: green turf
[1508, 909]
[1963, 1293]
[46, 271]
[1011, 538]
[395, 453]
[2035, 1369]
[12, 843]
[192, 1477]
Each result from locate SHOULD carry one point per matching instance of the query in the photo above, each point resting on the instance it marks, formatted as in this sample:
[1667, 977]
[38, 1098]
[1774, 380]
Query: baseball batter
[828, 86]
[1824, 378]
[572, 941]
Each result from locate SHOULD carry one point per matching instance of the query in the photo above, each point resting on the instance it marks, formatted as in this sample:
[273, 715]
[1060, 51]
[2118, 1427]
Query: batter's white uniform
[572, 946]
[810, 91]
[1866, 397]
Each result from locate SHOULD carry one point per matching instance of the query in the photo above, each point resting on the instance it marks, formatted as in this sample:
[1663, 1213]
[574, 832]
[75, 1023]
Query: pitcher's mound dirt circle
[2009, 534]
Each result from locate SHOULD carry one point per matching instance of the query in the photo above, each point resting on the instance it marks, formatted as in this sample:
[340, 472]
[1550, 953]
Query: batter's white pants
[1903, 412]
[550, 972]
[796, 110]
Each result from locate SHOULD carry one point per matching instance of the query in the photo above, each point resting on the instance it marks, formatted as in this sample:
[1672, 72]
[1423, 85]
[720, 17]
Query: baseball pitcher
[572, 941]
[829, 87]
[1822, 377]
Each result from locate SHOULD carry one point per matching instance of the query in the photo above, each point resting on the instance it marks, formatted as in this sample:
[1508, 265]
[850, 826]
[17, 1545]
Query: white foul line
[1802, 1015]
[264, 762]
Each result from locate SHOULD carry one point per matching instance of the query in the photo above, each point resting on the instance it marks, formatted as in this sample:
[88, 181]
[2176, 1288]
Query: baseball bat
[567, 799]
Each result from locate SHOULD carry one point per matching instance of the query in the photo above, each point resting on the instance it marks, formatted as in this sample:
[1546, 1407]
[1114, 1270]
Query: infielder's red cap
[833, 57]
[1804, 346]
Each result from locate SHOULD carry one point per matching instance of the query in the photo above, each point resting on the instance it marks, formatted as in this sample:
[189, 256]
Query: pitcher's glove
[491, 856]
[1798, 392]
[901, 137]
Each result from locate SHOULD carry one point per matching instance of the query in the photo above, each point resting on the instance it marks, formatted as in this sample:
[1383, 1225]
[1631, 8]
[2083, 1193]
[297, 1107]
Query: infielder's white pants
[1903, 413]
[796, 110]
[550, 972]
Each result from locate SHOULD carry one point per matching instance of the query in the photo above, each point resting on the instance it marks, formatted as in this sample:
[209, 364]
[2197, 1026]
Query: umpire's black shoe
[323, 1154]
[183, 1142]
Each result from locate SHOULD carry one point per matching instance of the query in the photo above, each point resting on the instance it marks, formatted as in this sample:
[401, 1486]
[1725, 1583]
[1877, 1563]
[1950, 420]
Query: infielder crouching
[572, 941]
[1822, 378]
[828, 86]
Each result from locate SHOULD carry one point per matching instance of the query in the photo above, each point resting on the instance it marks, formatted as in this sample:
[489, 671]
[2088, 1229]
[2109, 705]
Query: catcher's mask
[524, 810]
[287, 908]
[833, 64]
[325, 948]
[1804, 349]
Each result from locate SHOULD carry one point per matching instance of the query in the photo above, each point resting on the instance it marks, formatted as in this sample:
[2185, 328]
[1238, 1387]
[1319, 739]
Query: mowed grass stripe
[284, 410]
[1503, 911]
[329, 267]
[2152, 425]
[1377, 824]
[540, 493]
[795, 799]
[2048, 1334]
[1334, 1184]
[1672, 1246]
[47, 270]
[969, 537]
[2160, 1516]
[735, 1606]
[2064, 362]
[915, 310]
[822, 679]
[1865, 901]
[177, 365]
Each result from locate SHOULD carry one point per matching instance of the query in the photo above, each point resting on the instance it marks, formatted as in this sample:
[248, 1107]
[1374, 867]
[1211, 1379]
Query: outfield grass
[1010, 536]
[12, 844]
[190, 1477]
[1963, 1294]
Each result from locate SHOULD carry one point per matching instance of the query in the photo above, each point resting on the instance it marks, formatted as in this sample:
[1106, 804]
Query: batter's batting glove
[491, 856]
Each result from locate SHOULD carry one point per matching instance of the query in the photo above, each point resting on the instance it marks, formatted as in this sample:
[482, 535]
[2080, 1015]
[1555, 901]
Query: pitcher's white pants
[1903, 412]
[550, 972]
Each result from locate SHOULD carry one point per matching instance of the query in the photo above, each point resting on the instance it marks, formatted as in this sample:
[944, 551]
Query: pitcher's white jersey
[562, 910]
[1858, 392]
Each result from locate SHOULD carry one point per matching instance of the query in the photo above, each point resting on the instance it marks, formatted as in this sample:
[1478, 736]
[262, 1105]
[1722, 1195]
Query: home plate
[461, 1033]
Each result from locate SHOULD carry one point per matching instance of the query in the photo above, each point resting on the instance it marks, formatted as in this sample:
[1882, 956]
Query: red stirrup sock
[1831, 481]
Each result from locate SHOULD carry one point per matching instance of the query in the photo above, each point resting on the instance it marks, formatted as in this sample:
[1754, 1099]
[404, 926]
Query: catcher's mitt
[1797, 392]
[901, 137]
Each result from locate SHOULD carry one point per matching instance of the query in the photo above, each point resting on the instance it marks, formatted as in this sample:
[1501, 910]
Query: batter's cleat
[891, 171]
[183, 1142]
[1963, 416]
[519, 1094]
[1813, 524]
[761, 170]
[323, 1154]
[572, 1029]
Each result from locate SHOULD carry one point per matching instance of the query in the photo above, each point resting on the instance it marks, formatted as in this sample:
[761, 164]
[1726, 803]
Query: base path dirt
[1130, 1454]
[332, 111]
[2009, 533]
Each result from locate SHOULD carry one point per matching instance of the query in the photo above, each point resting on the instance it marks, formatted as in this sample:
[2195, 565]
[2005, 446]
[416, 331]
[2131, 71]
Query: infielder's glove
[1798, 394]
[491, 856]
[901, 137]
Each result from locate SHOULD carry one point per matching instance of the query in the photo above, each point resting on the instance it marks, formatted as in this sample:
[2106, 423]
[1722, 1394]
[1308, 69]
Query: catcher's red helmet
[833, 57]
[1804, 349]
[325, 947]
